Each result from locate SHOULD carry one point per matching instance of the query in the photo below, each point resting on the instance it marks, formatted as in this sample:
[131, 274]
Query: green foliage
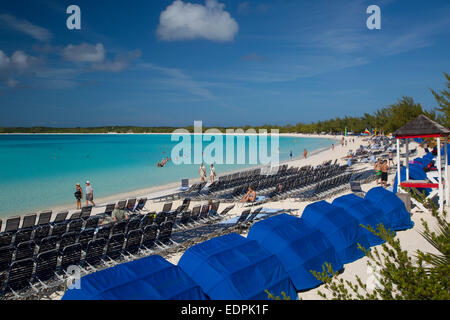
[401, 276]
[270, 296]
[443, 101]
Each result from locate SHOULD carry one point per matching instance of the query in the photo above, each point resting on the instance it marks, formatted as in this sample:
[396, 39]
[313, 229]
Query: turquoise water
[40, 171]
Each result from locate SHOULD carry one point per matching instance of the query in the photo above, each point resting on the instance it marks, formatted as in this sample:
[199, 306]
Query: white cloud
[26, 27]
[84, 53]
[187, 21]
[17, 64]
[121, 62]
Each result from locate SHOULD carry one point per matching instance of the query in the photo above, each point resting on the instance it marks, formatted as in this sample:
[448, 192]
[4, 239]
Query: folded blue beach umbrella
[150, 278]
[299, 247]
[232, 267]
[341, 229]
[393, 208]
[366, 214]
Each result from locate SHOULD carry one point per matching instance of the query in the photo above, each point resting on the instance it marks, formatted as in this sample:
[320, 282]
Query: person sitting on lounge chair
[116, 215]
[250, 196]
[211, 210]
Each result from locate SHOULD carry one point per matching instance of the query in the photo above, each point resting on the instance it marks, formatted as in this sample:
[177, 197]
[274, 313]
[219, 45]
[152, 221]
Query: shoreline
[167, 188]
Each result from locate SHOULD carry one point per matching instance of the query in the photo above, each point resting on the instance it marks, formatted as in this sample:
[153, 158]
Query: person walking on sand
[78, 195]
[212, 173]
[305, 153]
[332, 147]
[89, 194]
[202, 172]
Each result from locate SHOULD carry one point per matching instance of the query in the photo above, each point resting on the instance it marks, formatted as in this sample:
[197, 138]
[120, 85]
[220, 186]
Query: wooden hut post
[398, 165]
[439, 164]
[447, 187]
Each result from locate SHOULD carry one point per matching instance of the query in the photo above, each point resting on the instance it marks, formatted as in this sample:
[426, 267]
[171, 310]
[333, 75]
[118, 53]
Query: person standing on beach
[78, 195]
[384, 173]
[202, 172]
[305, 153]
[332, 147]
[212, 173]
[89, 194]
[377, 168]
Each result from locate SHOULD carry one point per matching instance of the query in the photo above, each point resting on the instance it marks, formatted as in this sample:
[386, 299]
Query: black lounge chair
[226, 210]
[149, 237]
[68, 239]
[92, 222]
[44, 217]
[167, 207]
[20, 275]
[243, 216]
[12, 224]
[48, 243]
[133, 242]
[94, 252]
[114, 246]
[41, 232]
[85, 237]
[71, 256]
[29, 221]
[22, 235]
[60, 216]
[46, 264]
[86, 212]
[25, 250]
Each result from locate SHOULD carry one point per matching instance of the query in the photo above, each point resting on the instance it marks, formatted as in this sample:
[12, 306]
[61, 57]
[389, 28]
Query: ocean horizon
[39, 171]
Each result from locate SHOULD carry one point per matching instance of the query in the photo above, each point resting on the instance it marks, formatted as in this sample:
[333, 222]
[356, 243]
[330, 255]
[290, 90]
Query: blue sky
[225, 62]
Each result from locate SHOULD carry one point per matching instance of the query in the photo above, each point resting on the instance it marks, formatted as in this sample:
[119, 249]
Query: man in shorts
[89, 194]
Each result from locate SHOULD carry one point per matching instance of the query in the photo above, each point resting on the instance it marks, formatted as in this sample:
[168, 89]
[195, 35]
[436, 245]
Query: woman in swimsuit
[78, 195]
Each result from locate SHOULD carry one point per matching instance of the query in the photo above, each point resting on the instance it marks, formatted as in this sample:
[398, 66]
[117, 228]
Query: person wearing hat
[78, 195]
[89, 194]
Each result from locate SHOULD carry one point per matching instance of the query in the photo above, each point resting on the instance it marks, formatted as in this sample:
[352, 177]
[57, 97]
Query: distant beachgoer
[78, 195]
[212, 173]
[202, 172]
[391, 156]
[116, 215]
[89, 193]
[290, 154]
[384, 173]
[158, 165]
[305, 153]
[250, 196]
[211, 210]
[377, 168]
[332, 146]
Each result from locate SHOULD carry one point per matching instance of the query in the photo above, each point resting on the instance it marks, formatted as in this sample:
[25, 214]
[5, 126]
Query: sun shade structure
[423, 127]
[366, 214]
[232, 267]
[341, 229]
[393, 208]
[150, 278]
[299, 247]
